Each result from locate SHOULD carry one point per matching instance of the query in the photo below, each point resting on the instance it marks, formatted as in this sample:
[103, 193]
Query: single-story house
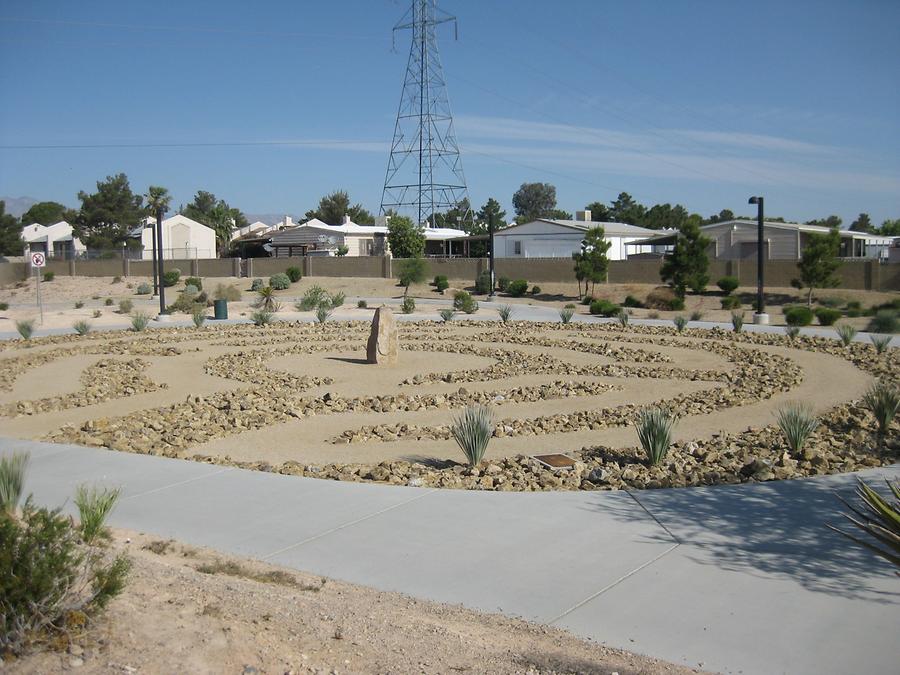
[183, 238]
[56, 240]
[254, 229]
[551, 238]
[737, 239]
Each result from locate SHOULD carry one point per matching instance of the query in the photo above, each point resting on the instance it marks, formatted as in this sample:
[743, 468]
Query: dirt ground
[245, 617]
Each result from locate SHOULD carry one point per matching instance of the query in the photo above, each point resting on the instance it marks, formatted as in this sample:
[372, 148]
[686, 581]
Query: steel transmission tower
[424, 172]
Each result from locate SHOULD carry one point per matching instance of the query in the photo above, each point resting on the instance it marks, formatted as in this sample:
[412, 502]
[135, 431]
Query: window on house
[517, 247]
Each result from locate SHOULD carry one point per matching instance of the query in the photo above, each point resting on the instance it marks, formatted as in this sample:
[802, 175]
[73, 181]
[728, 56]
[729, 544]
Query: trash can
[220, 307]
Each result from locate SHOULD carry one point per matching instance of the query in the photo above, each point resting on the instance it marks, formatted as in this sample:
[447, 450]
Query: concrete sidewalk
[738, 578]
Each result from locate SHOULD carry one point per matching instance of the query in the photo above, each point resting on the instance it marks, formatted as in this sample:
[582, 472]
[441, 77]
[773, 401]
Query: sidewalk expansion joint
[178, 484]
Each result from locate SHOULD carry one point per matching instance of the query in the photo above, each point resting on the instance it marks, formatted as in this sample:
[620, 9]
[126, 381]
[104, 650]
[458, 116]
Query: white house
[546, 238]
[56, 240]
[254, 229]
[183, 239]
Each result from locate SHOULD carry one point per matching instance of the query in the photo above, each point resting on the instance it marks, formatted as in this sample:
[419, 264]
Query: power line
[177, 144]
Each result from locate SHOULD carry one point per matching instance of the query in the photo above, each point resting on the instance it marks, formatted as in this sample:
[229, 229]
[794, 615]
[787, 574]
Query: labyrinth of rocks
[299, 399]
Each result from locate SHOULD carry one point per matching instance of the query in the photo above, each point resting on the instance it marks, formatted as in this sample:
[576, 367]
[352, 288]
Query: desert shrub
[535, 290]
[797, 423]
[798, 316]
[171, 277]
[294, 274]
[447, 314]
[256, 284]
[49, 276]
[566, 314]
[82, 327]
[654, 427]
[604, 308]
[884, 321]
[517, 288]
[117, 280]
[362, 304]
[94, 506]
[882, 400]
[830, 302]
[109, 302]
[652, 315]
[792, 332]
[587, 299]
[139, 321]
[341, 250]
[665, 299]
[503, 284]
[312, 298]
[12, 481]
[97, 314]
[144, 288]
[696, 315]
[880, 342]
[198, 316]
[728, 284]
[731, 302]
[338, 299]
[441, 283]
[846, 333]
[483, 283]
[464, 302]
[623, 316]
[280, 281]
[631, 301]
[827, 316]
[877, 517]
[266, 299]
[262, 317]
[680, 322]
[228, 292]
[408, 305]
[196, 282]
[504, 312]
[25, 328]
[79, 304]
[4, 306]
[125, 306]
[323, 312]
[737, 321]
[473, 430]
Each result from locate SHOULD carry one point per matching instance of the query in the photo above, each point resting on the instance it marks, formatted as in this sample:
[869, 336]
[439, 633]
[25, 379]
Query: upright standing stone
[384, 343]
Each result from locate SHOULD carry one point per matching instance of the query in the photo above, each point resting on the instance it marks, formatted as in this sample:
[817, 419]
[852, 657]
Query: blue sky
[695, 101]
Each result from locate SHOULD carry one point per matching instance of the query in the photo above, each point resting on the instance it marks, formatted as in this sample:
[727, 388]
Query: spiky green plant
[792, 332]
[473, 430]
[880, 342]
[696, 315]
[12, 480]
[82, 327]
[680, 322]
[566, 314]
[505, 312]
[623, 317]
[25, 328]
[266, 299]
[312, 299]
[737, 321]
[447, 314]
[139, 321]
[797, 423]
[262, 317]
[94, 505]
[654, 427]
[323, 313]
[408, 305]
[199, 316]
[883, 400]
[877, 517]
[846, 333]
[338, 299]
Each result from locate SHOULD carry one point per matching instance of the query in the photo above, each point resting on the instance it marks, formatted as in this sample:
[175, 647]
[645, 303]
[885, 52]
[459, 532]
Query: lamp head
[753, 200]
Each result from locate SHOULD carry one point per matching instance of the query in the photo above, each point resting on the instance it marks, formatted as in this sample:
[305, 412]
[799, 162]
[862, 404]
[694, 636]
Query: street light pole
[159, 262]
[155, 277]
[760, 317]
[491, 251]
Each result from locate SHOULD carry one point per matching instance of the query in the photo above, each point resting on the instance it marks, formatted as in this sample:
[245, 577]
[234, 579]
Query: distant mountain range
[267, 218]
[16, 206]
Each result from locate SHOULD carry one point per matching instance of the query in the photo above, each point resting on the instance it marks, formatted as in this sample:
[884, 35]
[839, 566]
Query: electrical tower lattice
[424, 172]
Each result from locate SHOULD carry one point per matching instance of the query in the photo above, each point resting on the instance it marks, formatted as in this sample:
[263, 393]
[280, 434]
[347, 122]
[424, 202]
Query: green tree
[10, 233]
[666, 217]
[460, 217]
[599, 211]
[626, 210]
[687, 266]
[862, 224]
[591, 263]
[890, 228]
[333, 207]
[490, 208]
[48, 213]
[217, 215]
[406, 239]
[830, 221]
[157, 198]
[534, 200]
[411, 271]
[819, 262]
[108, 215]
[721, 217]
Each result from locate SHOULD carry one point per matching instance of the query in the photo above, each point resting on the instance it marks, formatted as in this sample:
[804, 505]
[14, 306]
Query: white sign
[38, 260]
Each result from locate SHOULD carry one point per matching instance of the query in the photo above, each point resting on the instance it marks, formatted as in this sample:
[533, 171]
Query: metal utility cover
[556, 462]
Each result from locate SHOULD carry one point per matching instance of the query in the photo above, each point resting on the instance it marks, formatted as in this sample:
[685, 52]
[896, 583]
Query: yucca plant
[199, 316]
[877, 517]
[846, 333]
[323, 313]
[880, 342]
[12, 480]
[447, 314]
[737, 321]
[473, 430]
[82, 327]
[266, 298]
[139, 321]
[654, 427]
[797, 423]
[792, 332]
[25, 328]
[504, 312]
[94, 505]
[883, 401]
[262, 317]
[566, 314]
[338, 299]
[623, 317]
[680, 322]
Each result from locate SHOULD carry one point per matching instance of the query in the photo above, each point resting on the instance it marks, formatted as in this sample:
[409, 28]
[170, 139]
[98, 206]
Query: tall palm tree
[158, 198]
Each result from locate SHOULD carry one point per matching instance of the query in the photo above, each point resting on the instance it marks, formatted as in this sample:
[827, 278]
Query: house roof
[352, 229]
[36, 232]
[150, 221]
[670, 238]
[615, 229]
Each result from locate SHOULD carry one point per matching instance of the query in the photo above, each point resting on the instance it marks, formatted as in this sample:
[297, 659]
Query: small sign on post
[38, 260]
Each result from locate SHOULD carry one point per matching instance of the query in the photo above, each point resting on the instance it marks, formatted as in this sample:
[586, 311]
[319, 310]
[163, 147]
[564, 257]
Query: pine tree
[688, 265]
